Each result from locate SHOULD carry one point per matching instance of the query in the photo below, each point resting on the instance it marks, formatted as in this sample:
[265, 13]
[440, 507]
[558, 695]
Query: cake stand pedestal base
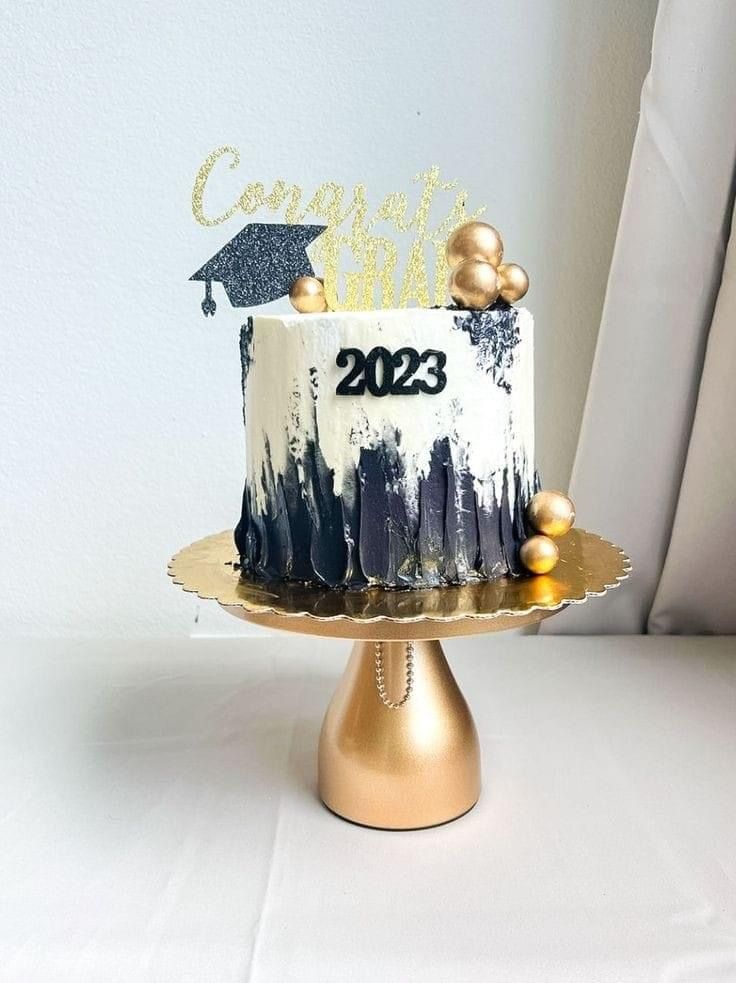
[399, 768]
[398, 748]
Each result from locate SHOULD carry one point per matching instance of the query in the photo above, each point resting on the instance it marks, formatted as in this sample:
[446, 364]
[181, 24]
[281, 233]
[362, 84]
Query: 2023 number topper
[364, 372]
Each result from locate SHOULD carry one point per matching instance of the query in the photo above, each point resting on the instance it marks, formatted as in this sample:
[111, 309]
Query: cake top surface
[387, 315]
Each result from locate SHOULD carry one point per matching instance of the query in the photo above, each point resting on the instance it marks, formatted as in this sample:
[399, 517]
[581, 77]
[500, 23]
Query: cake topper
[375, 253]
[259, 264]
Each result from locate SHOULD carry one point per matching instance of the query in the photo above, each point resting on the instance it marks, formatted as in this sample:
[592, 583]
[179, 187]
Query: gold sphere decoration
[473, 284]
[513, 282]
[307, 295]
[551, 513]
[539, 554]
[474, 240]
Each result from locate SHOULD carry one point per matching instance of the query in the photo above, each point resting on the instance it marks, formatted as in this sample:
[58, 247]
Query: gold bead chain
[381, 681]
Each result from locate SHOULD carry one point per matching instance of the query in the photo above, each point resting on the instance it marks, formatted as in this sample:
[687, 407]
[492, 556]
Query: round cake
[389, 448]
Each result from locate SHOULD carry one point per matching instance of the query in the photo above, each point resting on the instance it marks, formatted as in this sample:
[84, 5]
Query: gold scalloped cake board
[417, 764]
[588, 567]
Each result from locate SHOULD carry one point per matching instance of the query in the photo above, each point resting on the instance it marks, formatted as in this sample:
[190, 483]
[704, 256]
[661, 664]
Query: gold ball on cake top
[551, 513]
[474, 240]
[473, 284]
[513, 282]
[539, 554]
[307, 295]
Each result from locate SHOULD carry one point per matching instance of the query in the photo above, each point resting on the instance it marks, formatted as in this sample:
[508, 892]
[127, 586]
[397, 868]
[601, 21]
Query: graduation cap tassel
[208, 304]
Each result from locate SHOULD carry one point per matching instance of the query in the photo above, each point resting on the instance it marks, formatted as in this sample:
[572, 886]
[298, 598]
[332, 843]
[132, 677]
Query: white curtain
[655, 469]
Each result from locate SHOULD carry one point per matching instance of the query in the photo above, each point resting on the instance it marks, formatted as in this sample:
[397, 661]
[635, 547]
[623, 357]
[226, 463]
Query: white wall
[122, 435]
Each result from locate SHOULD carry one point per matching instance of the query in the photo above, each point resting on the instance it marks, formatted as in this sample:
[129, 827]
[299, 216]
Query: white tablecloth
[160, 820]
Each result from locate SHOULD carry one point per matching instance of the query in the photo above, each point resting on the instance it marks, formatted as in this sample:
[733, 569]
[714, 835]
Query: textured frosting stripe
[371, 539]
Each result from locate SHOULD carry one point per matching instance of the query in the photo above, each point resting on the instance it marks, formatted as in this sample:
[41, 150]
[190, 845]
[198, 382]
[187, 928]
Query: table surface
[160, 821]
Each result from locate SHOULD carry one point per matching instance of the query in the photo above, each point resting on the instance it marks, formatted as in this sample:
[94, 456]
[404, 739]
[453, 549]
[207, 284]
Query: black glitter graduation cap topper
[259, 264]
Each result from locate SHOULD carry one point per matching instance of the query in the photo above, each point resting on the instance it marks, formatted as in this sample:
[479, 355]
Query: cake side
[391, 448]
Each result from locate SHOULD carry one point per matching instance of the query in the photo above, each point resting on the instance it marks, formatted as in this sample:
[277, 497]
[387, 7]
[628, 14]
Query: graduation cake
[390, 448]
[393, 448]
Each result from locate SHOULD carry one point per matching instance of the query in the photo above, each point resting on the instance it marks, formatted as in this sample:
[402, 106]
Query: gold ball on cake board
[307, 295]
[539, 554]
[474, 240]
[551, 513]
[513, 282]
[473, 284]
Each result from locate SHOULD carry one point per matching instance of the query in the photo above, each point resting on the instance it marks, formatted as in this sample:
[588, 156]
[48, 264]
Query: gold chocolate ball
[539, 554]
[474, 240]
[473, 284]
[551, 513]
[513, 282]
[307, 295]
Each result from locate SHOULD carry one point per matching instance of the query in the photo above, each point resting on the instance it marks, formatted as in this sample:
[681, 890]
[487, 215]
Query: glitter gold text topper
[361, 265]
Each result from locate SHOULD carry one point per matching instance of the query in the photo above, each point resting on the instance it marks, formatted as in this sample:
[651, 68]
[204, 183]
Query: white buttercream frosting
[290, 398]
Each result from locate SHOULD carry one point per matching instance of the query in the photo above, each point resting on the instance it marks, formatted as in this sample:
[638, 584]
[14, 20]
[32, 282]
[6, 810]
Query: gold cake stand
[398, 747]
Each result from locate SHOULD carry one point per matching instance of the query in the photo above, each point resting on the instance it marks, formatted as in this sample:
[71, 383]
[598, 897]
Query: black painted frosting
[495, 332]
